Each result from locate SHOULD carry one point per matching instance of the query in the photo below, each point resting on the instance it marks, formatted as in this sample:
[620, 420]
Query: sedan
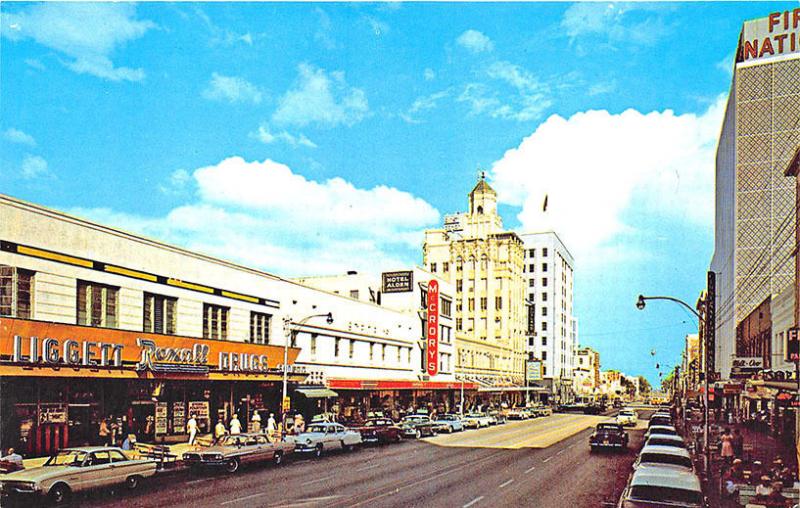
[517, 413]
[379, 430]
[416, 426]
[627, 417]
[608, 435]
[483, 419]
[664, 456]
[320, 437]
[233, 451]
[76, 470]
[449, 423]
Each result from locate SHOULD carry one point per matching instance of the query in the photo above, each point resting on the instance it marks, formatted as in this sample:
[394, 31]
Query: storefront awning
[512, 389]
[316, 393]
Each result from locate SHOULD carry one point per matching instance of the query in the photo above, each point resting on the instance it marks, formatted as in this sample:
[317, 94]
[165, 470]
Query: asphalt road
[539, 463]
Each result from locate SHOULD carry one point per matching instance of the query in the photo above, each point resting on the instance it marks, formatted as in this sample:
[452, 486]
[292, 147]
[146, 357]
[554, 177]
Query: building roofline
[554, 234]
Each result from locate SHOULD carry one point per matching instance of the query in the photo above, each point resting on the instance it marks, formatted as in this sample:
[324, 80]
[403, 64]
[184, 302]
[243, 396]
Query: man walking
[236, 425]
[191, 428]
[271, 426]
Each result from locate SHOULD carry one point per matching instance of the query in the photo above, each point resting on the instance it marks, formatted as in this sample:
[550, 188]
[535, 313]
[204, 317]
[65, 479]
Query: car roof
[659, 476]
[667, 437]
[669, 450]
[90, 449]
[662, 427]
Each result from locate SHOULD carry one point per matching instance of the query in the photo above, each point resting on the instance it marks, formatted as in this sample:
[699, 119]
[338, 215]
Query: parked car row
[524, 413]
[663, 474]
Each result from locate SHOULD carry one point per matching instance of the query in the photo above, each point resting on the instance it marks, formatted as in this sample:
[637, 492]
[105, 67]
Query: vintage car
[665, 440]
[417, 426]
[479, 419]
[543, 410]
[379, 430]
[233, 451]
[74, 470]
[627, 417]
[659, 487]
[665, 456]
[518, 413]
[320, 437]
[448, 423]
[659, 419]
[663, 430]
[497, 417]
[608, 435]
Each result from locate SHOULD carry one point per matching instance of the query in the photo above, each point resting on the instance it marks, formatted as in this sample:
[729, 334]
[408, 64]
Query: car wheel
[277, 459]
[449, 429]
[132, 482]
[318, 451]
[397, 438]
[347, 447]
[232, 465]
[59, 494]
[418, 434]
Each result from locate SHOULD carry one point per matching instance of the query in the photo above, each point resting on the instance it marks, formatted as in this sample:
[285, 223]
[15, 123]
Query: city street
[543, 462]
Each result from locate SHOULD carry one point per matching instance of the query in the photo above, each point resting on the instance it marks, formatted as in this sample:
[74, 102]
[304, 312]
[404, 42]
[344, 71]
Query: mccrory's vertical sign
[432, 329]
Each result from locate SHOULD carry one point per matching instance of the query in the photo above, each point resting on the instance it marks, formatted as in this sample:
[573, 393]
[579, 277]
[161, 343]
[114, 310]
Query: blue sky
[315, 138]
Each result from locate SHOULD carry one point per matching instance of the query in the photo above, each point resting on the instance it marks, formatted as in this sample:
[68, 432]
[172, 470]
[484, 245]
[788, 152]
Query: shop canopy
[317, 393]
[512, 389]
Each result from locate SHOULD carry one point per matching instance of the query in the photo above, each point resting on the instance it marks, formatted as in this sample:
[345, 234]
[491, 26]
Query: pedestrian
[299, 424]
[726, 441]
[102, 432]
[191, 428]
[236, 425]
[255, 422]
[738, 443]
[219, 431]
[271, 426]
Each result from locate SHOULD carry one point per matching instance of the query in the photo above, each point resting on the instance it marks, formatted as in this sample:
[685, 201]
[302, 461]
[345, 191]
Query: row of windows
[532, 252]
[445, 304]
[532, 268]
[98, 305]
[532, 282]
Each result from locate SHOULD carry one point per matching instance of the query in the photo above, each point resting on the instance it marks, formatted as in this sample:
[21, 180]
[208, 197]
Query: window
[337, 346]
[459, 325]
[117, 456]
[483, 303]
[544, 297]
[351, 345]
[159, 313]
[371, 346]
[531, 297]
[530, 341]
[531, 253]
[459, 265]
[383, 352]
[313, 345]
[459, 285]
[544, 252]
[447, 307]
[354, 294]
[544, 339]
[544, 326]
[544, 311]
[544, 267]
[471, 304]
[98, 458]
[498, 302]
[15, 292]
[531, 282]
[544, 355]
[544, 370]
[445, 266]
[531, 268]
[423, 299]
[544, 282]
[97, 304]
[215, 321]
[259, 328]
[399, 349]
[433, 267]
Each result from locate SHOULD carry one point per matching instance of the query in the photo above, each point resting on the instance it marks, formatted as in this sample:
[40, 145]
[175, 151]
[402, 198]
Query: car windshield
[66, 458]
[413, 418]
[666, 458]
[626, 413]
[665, 494]
[316, 428]
[663, 432]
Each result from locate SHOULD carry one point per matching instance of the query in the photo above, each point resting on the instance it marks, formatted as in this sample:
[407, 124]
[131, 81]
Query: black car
[608, 435]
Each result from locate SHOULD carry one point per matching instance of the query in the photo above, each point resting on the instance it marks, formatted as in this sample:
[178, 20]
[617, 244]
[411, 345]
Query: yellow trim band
[131, 273]
[189, 285]
[239, 297]
[53, 256]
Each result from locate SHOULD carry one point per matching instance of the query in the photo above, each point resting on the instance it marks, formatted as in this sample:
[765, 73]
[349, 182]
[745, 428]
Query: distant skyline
[312, 138]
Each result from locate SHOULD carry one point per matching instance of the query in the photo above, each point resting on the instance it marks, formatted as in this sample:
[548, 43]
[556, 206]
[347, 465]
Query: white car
[483, 419]
[76, 470]
[627, 417]
[320, 437]
[665, 440]
[663, 430]
[660, 487]
[664, 456]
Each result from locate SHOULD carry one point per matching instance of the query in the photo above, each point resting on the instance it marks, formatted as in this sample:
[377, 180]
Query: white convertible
[320, 437]
[76, 470]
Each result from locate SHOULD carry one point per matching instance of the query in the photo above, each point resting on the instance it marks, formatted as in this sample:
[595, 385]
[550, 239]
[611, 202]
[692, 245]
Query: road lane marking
[245, 498]
[530, 469]
[472, 502]
[192, 482]
[561, 451]
[326, 478]
[367, 467]
[507, 483]
[548, 459]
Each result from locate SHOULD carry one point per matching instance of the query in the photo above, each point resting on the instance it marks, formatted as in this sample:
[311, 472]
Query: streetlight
[640, 304]
[290, 332]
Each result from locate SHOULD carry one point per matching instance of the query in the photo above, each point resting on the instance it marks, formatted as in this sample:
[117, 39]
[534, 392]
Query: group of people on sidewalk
[273, 430]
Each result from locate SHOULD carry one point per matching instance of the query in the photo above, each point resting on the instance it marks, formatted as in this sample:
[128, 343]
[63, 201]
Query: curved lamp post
[290, 330]
[640, 304]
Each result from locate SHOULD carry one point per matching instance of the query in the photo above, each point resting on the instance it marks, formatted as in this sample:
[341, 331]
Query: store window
[447, 307]
[159, 313]
[259, 328]
[15, 292]
[97, 304]
[215, 321]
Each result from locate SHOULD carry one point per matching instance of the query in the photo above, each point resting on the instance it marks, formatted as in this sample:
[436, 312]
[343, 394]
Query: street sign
[287, 404]
[432, 329]
[533, 371]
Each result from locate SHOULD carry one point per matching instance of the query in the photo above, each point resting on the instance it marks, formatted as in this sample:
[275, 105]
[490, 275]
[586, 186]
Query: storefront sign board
[432, 329]
[199, 409]
[398, 282]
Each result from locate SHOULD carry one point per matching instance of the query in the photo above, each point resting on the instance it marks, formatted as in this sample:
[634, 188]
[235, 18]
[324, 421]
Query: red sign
[432, 329]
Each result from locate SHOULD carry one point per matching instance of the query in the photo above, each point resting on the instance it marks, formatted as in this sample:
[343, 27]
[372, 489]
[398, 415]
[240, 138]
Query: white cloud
[265, 215]
[429, 74]
[324, 33]
[266, 136]
[232, 89]
[527, 101]
[321, 98]
[34, 167]
[222, 36]
[177, 184]
[596, 167]
[602, 87]
[612, 22]
[88, 33]
[34, 64]
[475, 41]
[726, 64]
[19, 137]
[424, 103]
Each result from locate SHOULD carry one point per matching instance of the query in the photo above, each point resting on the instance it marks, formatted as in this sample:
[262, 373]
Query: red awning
[369, 384]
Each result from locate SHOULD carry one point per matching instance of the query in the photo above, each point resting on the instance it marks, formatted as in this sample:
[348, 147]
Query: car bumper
[609, 444]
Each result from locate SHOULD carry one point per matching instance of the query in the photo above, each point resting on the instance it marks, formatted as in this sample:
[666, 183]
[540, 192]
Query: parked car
[665, 440]
[74, 470]
[517, 413]
[416, 426]
[320, 437]
[664, 430]
[659, 487]
[233, 451]
[627, 417]
[379, 430]
[660, 419]
[482, 419]
[667, 456]
[448, 423]
[544, 410]
[594, 409]
[608, 435]
[498, 416]
[470, 421]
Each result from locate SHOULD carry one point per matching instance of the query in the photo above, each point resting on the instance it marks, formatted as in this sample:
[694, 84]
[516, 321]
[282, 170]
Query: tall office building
[755, 202]
[485, 263]
[548, 275]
